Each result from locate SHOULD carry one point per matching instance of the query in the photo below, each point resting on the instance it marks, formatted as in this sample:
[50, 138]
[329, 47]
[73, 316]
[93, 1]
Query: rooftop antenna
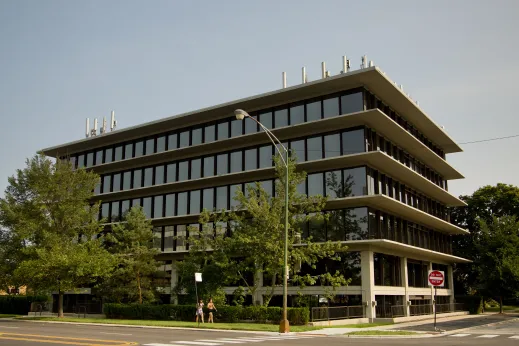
[371, 64]
[364, 61]
[303, 74]
[323, 69]
[345, 64]
[103, 127]
[87, 128]
[327, 74]
[113, 122]
[93, 132]
[284, 77]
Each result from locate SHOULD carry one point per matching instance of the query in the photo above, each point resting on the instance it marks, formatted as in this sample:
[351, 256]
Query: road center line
[9, 327]
[113, 333]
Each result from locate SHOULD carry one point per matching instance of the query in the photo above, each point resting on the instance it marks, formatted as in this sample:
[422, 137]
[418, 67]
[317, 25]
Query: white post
[284, 78]
[368, 283]
[404, 274]
[323, 69]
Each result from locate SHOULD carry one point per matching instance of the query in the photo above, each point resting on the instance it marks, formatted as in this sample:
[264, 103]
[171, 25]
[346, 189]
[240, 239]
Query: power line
[490, 139]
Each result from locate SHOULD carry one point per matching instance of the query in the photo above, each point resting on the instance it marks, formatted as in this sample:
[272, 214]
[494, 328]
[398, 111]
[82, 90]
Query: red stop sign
[436, 278]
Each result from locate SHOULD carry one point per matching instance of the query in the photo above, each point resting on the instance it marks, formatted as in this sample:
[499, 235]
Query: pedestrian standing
[200, 311]
[212, 308]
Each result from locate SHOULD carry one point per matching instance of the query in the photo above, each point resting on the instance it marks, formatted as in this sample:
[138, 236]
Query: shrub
[19, 305]
[474, 304]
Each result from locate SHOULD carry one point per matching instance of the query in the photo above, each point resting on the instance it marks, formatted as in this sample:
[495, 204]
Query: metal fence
[337, 312]
[418, 310]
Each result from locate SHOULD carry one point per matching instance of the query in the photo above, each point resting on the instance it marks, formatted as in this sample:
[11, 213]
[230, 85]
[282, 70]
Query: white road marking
[488, 336]
[514, 337]
[113, 333]
[9, 327]
[196, 343]
[231, 341]
[249, 339]
[459, 335]
[161, 345]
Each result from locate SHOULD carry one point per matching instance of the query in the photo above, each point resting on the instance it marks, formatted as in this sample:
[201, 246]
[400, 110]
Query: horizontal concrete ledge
[341, 322]
[419, 318]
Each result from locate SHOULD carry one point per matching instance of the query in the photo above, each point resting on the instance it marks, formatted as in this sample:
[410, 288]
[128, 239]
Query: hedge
[18, 305]
[296, 316]
[474, 304]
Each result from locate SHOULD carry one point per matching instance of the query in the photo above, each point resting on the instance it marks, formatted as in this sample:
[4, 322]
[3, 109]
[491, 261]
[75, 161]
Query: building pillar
[257, 298]
[450, 278]
[368, 283]
[174, 281]
[404, 275]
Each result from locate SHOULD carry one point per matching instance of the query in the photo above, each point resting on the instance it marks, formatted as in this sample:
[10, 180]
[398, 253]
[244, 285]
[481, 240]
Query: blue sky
[64, 61]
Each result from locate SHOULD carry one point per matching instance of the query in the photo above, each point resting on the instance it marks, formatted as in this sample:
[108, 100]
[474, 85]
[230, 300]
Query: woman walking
[200, 310]
[212, 308]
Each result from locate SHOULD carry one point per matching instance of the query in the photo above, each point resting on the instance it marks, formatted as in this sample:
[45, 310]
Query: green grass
[362, 325]
[505, 308]
[381, 332]
[228, 326]
[8, 316]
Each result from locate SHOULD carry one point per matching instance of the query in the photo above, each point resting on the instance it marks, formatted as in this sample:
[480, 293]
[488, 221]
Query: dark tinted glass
[116, 184]
[221, 198]
[159, 175]
[109, 155]
[81, 161]
[148, 176]
[128, 151]
[353, 142]
[182, 203]
[223, 130]
[297, 114]
[250, 125]
[352, 103]
[332, 145]
[90, 159]
[314, 148]
[315, 184]
[107, 179]
[209, 134]
[333, 183]
[268, 187]
[125, 207]
[265, 156]
[105, 210]
[194, 202]
[136, 202]
[331, 107]
[157, 206]
[196, 136]
[237, 127]
[298, 148]
[97, 188]
[183, 170]
[232, 194]
[171, 173]
[118, 153]
[301, 188]
[115, 211]
[222, 164]
[208, 199]
[170, 205]
[99, 157]
[196, 168]
[161, 144]
[281, 118]
[236, 161]
[208, 166]
[184, 139]
[146, 206]
[139, 149]
[137, 178]
[172, 141]
[150, 146]
[169, 238]
[313, 111]
[251, 158]
[266, 119]
[355, 182]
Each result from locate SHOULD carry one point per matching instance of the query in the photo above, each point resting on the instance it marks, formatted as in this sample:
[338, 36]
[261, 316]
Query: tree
[11, 254]
[498, 260]
[47, 208]
[131, 242]
[484, 204]
[253, 245]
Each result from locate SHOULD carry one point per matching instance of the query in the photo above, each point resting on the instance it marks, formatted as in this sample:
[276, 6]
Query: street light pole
[284, 326]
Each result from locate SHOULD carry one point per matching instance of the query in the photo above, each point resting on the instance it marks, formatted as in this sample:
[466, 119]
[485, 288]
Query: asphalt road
[19, 333]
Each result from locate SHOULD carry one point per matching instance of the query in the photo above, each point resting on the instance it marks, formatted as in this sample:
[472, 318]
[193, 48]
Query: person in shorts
[200, 310]
[212, 308]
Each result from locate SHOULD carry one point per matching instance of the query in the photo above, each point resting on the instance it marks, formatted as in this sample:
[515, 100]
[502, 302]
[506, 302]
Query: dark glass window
[118, 153]
[184, 139]
[221, 198]
[352, 103]
[314, 148]
[237, 127]
[353, 142]
[194, 202]
[171, 173]
[315, 184]
[157, 206]
[223, 130]
[150, 146]
[298, 148]
[97, 188]
[105, 211]
[236, 161]
[196, 136]
[182, 203]
[139, 148]
[208, 166]
[125, 207]
[265, 156]
[169, 238]
[268, 187]
[146, 206]
[222, 166]
[334, 187]
[387, 270]
[183, 170]
[354, 182]
[159, 175]
[301, 188]
[181, 235]
[209, 134]
[170, 205]
[281, 118]
[313, 111]
[128, 151]
[81, 161]
[136, 202]
[148, 176]
[297, 114]
[317, 230]
[266, 119]
[232, 195]
[172, 141]
[251, 159]
[332, 145]
[161, 144]
[137, 178]
[107, 180]
[99, 157]
[208, 199]
[116, 183]
[109, 155]
[331, 107]
[250, 125]
[90, 159]
[196, 168]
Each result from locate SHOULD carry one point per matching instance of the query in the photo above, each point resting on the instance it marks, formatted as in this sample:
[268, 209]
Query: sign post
[198, 278]
[436, 279]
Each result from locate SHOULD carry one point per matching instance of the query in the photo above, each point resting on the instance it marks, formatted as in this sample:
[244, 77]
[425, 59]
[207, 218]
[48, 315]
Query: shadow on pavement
[461, 323]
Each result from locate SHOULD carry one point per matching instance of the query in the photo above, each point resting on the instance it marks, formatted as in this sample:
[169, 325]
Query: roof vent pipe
[284, 78]
[371, 63]
[323, 69]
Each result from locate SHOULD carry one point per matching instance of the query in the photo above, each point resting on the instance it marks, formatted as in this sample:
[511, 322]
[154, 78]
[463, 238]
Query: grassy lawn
[381, 332]
[8, 316]
[233, 326]
[505, 308]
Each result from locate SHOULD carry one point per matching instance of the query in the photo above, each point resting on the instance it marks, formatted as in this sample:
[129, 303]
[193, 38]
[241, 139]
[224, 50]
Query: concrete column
[450, 278]
[405, 283]
[174, 281]
[257, 298]
[368, 282]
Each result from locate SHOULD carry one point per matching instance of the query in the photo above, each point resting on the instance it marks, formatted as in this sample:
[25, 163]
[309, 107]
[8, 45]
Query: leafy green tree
[11, 254]
[47, 208]
[253, 246]
[131, 242]
[498, 260]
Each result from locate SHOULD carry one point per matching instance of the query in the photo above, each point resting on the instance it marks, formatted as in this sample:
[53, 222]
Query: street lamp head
[241, 114]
